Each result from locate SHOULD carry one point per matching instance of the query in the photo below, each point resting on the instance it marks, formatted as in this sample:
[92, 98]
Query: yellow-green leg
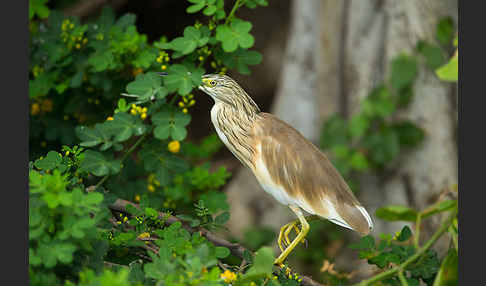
[300, 236]
[283, 231]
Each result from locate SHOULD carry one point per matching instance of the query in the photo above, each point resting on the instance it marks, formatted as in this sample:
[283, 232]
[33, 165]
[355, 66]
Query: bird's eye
[212, 83]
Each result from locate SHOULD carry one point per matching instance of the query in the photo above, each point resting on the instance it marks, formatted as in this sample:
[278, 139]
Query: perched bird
[287, 165]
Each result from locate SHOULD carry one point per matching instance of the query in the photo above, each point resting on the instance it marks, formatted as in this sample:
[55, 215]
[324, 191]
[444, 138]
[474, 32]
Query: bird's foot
[284, 268]
[283, 238]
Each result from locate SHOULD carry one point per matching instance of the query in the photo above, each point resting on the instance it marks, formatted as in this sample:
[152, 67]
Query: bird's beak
[205, 84]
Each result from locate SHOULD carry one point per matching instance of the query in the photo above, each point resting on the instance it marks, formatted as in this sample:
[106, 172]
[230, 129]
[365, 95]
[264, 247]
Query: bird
[286, 165]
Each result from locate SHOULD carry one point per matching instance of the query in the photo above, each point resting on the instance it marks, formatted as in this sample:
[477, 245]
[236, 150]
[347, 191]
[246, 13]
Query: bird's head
[224, 89]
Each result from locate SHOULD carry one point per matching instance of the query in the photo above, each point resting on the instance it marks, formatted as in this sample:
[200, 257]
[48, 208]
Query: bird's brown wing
[298, 167]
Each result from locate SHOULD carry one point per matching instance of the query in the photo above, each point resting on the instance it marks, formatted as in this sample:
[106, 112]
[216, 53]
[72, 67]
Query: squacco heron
[286, 165]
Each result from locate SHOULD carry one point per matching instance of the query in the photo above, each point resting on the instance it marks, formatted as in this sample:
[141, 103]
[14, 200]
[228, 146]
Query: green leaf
[239, 59]
[335, 132]
[215, 201]
[77, 79]
[365, 243]
[433, 54]
[358, 125]
[222, 218]
[101, 60]
[90, 137]
[210, 10]
[445, 31]
[39, 8]
[95, 163]
[405, 234]
[158, 160]
[221, 252]
[182, 79]
[170, 123]
[448, 273]
[403, 71]
[64, 252]
[192, 39]
[379, 103]
[234, 35]
[146, 86]
[358, 161]
[262, 262]
[124, 126]
[196, 7]
[144, 59]
[397, 213]
[449, 71]
[383, 146]
[93, 198]
[409, 135]
[252, 4]
[51, 161]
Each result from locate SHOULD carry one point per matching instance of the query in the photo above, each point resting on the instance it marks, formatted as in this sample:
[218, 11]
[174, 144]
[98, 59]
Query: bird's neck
[235, 129]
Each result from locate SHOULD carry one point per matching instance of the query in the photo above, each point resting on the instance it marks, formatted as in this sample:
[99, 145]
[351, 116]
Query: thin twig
[403, 281]
[134, 146]
[233, 10]
[417, 230]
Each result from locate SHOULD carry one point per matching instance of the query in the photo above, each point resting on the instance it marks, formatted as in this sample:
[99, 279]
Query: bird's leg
[291, 226]
[300, 236]
[280, 240]
[288, 229]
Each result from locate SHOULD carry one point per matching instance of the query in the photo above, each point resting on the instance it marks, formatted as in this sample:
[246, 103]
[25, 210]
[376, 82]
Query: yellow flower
[144, 110]
[184, 110]
[201, 58]
[109, 118]
[174, 146]
[143, 115]
[34, 108]
[228, 276]
[151, 188]
[125, 219]
[133, 111]
[137, 198]
[163, 67]
[144, 235]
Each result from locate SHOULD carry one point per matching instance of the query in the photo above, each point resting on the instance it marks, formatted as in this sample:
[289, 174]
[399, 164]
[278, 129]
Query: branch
[235, 248]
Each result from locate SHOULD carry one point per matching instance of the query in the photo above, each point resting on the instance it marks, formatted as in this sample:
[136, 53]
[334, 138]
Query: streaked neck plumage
[233, 122]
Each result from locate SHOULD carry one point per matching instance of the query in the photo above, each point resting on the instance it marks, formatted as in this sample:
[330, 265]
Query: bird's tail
[354, 217]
